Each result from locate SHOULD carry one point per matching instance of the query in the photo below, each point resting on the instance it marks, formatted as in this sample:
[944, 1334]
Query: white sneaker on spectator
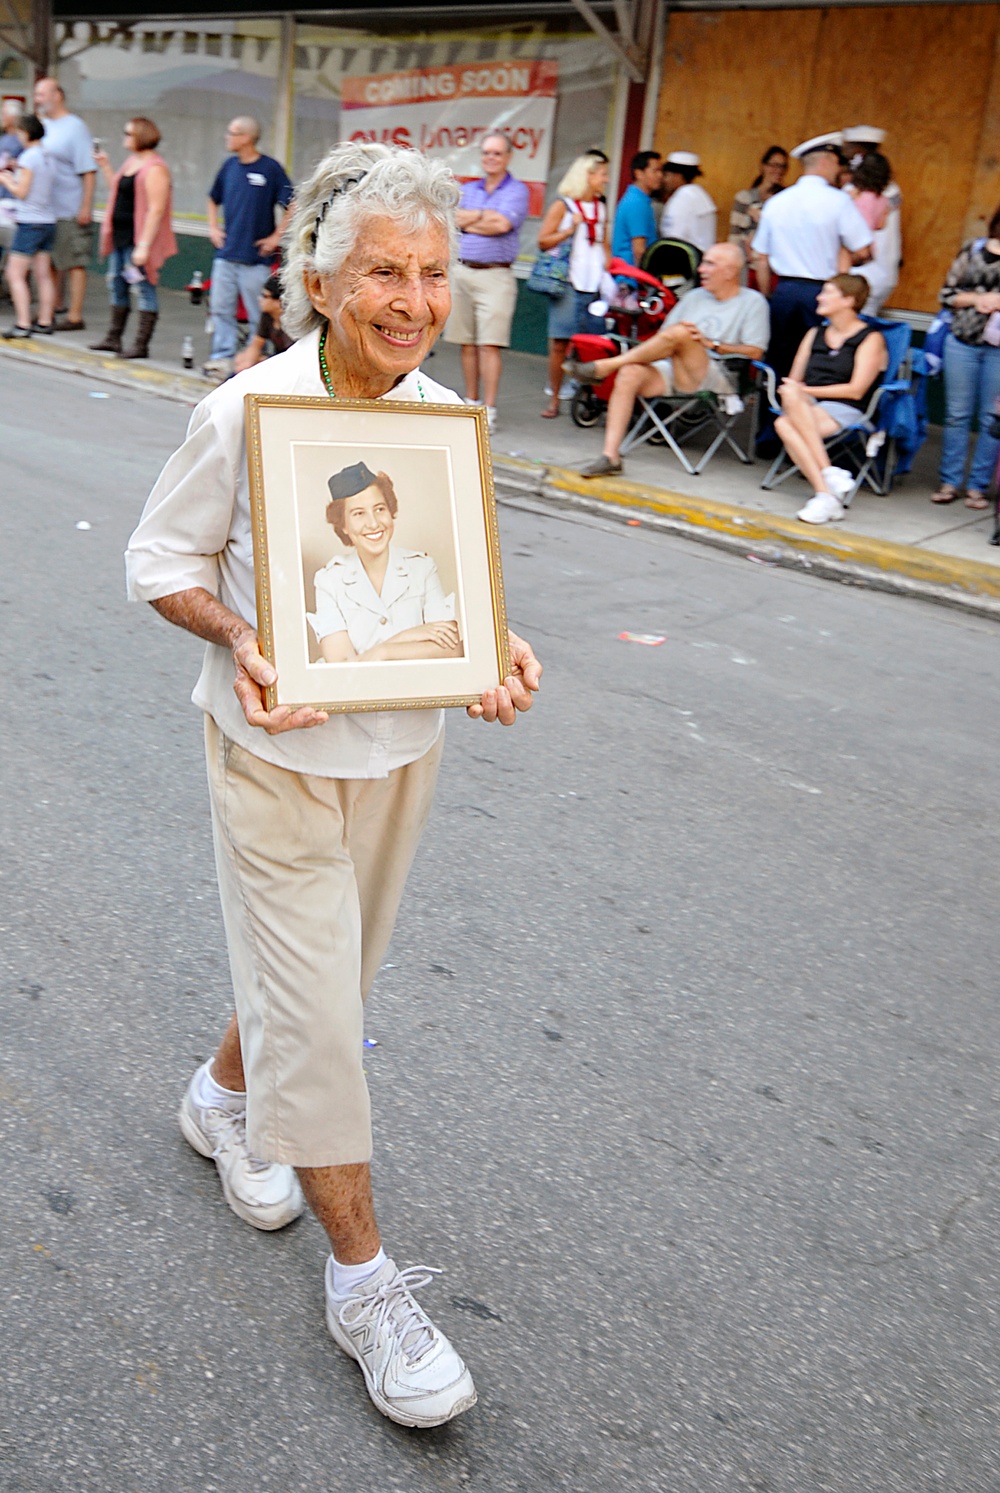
[838, 481]
[491, 416]
[263, 1193]
[567, 389]
[822, 508]
[412, 1373]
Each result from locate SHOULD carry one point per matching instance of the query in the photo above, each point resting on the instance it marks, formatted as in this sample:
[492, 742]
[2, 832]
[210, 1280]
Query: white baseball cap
[682, 158]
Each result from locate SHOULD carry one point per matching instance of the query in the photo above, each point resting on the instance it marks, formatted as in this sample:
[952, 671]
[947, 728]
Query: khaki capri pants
[311, 872]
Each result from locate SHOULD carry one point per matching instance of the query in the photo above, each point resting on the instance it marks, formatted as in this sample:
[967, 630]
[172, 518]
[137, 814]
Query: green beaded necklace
[324, 369]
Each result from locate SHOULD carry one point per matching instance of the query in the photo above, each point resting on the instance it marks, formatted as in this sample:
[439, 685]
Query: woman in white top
[379, 601]
[31, 183]
[581, 214]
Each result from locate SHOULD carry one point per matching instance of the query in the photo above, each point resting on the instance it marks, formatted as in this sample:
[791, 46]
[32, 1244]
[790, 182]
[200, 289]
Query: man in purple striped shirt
[483, 287]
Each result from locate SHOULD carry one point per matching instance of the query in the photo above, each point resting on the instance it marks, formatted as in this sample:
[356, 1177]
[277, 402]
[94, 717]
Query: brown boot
[113, 336]
[143, 336]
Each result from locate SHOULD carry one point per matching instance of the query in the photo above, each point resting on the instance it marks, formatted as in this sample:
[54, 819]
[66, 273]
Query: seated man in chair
[720, 320]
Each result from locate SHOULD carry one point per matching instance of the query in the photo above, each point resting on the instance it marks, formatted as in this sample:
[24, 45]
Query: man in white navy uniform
[689, 212]
[807, 233]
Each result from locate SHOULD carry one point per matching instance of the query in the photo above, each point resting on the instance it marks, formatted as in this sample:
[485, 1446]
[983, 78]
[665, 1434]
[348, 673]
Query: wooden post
[284, 112]
[41, 36]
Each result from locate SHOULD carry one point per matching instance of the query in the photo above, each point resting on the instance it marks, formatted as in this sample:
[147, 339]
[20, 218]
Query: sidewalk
[901, 542]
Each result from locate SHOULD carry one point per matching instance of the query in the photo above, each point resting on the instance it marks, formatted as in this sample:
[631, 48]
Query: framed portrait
[376, 553]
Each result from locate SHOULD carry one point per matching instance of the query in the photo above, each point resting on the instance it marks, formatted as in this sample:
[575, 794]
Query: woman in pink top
[136, 235]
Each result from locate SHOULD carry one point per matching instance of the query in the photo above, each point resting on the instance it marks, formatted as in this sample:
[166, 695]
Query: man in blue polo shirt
[483, 287]
[635, 221]
[249, 188]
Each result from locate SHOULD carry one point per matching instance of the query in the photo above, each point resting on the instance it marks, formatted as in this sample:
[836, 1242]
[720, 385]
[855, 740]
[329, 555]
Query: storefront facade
[713, 76]
[549, 79]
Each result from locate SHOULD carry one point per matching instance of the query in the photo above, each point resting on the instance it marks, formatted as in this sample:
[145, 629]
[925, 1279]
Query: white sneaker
[263, 1193]
[412, 1373]
[822, 508]
[567, 389]
[838, 481]
[491, 416]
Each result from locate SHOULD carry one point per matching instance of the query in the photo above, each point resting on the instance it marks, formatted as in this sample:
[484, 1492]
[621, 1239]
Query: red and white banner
[447, 111]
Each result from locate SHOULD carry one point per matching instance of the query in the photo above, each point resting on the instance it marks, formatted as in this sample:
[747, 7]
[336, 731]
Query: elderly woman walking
[316, 818]
[136, 235]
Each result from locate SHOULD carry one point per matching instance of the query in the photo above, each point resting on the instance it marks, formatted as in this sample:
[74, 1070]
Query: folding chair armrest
[743, 370]
[770, 384]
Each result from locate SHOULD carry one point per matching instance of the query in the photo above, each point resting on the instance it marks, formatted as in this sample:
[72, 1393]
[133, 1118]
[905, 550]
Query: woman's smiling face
[387, 304]
[369, 523]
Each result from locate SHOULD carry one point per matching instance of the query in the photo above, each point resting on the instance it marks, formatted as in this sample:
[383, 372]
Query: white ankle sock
[212, 1093]
[345, 1277]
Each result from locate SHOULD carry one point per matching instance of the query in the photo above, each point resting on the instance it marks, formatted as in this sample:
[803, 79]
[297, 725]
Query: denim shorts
[846, 415]
[569, 315]
[33, 238]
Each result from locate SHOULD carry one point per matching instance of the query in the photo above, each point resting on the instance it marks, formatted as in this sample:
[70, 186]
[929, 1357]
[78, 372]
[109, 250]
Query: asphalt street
[686, 1072]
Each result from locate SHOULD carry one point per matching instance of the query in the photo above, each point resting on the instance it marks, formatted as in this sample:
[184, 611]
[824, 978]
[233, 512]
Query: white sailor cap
[831, 141]
[866, 134]
[682, 158]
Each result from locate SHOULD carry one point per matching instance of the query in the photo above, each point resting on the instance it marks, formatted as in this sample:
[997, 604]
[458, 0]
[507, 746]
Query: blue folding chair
[869, 447]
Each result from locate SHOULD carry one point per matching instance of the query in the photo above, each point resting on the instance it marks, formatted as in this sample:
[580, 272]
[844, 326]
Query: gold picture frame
[423, 566]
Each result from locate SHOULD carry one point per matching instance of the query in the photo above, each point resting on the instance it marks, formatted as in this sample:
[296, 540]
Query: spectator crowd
[788, 250]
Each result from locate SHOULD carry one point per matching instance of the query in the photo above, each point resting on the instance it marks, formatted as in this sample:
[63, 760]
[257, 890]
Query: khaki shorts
[74, 245]
[311, 871]
[716, 380]
[482, 306]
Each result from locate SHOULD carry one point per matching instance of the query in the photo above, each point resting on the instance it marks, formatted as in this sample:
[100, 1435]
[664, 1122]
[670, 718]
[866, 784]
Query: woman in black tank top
[836, 368]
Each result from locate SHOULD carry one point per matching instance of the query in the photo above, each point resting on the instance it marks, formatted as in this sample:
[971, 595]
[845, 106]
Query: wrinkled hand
[253, 674]
[218, 236]
[515, 693]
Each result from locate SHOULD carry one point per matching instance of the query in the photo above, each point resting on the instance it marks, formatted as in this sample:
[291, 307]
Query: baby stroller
[674, 262]
[632, 318]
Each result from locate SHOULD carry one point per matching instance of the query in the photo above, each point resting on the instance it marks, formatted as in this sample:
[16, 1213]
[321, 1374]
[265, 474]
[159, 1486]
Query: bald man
[249, 189]
[720, 320]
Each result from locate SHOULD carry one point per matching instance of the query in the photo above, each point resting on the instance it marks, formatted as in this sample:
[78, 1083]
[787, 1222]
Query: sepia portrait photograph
[376, 552]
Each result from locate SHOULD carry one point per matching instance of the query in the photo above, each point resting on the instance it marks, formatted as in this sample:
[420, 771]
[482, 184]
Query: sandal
[550, 413]
[976, 499]
[946, 493]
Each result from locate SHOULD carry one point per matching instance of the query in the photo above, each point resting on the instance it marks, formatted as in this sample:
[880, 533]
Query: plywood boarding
[738, 81]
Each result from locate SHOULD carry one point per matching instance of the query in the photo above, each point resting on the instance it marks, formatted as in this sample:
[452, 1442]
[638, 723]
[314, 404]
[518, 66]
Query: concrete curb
[853, 559]
[185, 388]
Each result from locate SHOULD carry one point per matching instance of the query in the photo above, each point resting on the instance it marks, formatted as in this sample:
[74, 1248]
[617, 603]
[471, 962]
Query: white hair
[352, 184]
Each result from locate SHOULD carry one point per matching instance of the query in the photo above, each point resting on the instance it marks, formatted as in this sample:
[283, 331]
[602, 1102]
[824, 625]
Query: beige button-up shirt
[195, 531]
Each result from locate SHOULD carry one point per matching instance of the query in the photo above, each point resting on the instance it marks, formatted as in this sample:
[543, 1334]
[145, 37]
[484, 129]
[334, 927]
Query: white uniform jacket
[346, 600]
